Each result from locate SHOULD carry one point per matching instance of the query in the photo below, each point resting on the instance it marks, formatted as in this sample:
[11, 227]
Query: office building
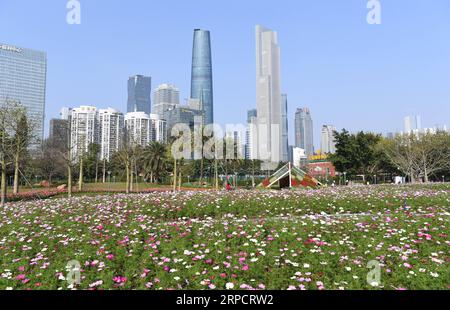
[304, 135]
[23, 80]
[268, 143]
[284, 129]
[139, 94]
[201, 75]
[165, 97]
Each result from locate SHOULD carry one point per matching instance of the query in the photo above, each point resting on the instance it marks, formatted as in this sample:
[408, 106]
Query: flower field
[308, 239]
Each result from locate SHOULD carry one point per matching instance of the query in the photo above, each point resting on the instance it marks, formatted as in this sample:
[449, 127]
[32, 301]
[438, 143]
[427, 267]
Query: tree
[419, 156]
[126, 156]
[155, 160]
[20, 140]
[356, 153]
[49, 161]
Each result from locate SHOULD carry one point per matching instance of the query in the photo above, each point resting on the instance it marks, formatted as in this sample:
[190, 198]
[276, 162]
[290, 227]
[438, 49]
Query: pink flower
[21, 268]
[407, 265]
[20, 277]
[110, 256]
[245, 268]
[120, 279]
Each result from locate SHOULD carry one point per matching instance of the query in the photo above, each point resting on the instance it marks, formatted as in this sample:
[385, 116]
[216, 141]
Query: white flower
[348, 268]
[434, 274]
[9, 288]
[229, 286]
[306, 265]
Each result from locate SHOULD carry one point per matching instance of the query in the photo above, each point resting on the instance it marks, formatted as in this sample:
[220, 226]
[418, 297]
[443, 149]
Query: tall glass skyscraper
[304, 136]
[23, 79]
[201, 78]
[139, 94]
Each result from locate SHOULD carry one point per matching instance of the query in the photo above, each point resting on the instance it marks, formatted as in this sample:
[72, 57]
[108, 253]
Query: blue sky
[349, 73]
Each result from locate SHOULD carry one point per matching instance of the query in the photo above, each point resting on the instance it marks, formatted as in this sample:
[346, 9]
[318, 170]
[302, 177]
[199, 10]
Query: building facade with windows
[23, 75]
[111, 124]
[139, 94]
[202, 75]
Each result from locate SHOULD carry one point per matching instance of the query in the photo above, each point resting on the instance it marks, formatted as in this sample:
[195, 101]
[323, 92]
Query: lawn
[306, 239]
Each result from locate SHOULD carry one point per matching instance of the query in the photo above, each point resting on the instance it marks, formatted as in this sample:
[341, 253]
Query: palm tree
[155, 158]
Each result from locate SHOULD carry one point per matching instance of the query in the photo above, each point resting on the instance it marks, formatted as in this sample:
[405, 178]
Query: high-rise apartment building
[139, 94]
[23, 80]
[304, 135]
[83, 130]
[201, 76]
[111, 123]
[142, 128]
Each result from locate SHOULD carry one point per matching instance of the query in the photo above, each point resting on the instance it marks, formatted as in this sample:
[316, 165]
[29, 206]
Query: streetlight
[443, 179]
[345, 178]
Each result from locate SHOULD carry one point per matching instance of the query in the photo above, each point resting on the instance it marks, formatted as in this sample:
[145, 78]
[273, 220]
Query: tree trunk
[201, 171]
[131, 178]
[16, 173]
[104, 171]
[69, 181]
[96, 170]
[216, 175]
[3, 180]
[80, 180]
[175, 175]
[127, 184]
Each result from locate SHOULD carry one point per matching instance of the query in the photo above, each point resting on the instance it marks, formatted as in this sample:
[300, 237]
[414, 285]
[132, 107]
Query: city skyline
[338, 85]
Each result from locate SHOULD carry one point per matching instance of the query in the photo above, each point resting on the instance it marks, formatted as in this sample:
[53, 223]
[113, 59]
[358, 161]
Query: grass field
[307, 239]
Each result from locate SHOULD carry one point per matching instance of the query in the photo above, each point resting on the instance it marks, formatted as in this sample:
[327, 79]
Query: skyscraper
[284, 129]
[304, 136]
[165, 97]
[23, 80]
[139, 93]
[413, 124]
[328, 143]
[202, 78]
[269, 145]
